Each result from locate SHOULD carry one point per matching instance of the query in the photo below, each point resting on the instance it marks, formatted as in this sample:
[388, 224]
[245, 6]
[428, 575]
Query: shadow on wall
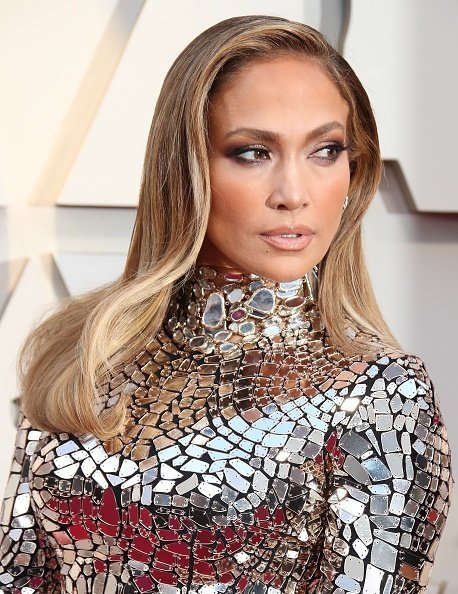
[429, 263]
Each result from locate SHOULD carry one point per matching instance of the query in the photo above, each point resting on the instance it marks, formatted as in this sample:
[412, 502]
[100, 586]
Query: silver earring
[345, 204]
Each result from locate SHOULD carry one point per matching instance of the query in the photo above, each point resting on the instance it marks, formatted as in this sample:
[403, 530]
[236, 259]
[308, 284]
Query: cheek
[226, 209]
[330, 207]
[328, 218]
[233, 201]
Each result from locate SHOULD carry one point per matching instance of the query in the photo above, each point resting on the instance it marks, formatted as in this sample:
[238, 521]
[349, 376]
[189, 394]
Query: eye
[330, 152]
[251, 154]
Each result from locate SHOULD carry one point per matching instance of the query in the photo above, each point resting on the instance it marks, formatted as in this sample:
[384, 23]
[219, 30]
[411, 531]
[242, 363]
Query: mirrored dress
[257, 458]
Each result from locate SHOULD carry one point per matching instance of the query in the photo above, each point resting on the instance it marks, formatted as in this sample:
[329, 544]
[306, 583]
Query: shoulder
[393, 368]
[393, 404]
[401, 373]
[383, 387]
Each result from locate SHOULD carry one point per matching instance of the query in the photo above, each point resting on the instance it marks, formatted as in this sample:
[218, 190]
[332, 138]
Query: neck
[217, 311]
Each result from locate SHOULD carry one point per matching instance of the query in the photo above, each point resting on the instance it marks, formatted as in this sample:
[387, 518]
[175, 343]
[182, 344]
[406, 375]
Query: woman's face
[278, 167]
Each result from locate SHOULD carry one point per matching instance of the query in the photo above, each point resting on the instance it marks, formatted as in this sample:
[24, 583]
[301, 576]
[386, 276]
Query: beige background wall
[79, 80]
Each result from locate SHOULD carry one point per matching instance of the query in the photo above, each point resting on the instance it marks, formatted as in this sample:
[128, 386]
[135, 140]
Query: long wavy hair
[68, 358]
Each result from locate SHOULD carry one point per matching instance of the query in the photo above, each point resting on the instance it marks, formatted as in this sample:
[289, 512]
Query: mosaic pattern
[257, 459]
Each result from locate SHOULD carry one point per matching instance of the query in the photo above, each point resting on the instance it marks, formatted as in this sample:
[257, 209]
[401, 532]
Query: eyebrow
[269, 136]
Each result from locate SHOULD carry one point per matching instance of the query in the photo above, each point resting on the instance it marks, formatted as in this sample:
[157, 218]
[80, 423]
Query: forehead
[281, 88]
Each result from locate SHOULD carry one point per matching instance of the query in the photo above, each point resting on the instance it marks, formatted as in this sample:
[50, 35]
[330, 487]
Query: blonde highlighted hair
[68, 358]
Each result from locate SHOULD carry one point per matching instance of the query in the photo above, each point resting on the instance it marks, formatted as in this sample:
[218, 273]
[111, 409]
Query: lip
[304, 237]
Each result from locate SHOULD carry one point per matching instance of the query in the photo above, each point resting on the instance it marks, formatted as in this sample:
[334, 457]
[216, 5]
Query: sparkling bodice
[257, 458]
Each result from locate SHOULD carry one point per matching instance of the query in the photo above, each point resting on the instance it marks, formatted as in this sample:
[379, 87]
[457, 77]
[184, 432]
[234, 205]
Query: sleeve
[390, 482]
[27, 564]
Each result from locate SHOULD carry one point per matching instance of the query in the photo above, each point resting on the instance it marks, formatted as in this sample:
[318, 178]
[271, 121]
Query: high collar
[218, 311]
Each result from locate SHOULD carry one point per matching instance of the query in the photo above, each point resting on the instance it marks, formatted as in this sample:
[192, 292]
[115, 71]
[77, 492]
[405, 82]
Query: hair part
[67, 361]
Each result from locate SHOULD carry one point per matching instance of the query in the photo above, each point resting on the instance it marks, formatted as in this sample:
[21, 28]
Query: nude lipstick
[293, 238]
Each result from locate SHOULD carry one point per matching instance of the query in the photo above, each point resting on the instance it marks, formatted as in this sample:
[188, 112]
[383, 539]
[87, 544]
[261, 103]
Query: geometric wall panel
[90, 93]
[82, 272]
[403, 60]
[37, 290]
[89, 229]
[43, 60]
[26, 231]
[412, 259]
[10, 273]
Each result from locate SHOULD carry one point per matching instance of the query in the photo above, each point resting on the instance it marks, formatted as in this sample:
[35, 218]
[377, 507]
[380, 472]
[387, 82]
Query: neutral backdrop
[79, 81]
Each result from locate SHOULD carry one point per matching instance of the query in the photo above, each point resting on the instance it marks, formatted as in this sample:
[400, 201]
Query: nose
[289, 189]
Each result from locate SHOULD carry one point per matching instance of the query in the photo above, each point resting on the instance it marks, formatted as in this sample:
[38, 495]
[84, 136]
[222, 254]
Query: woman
[233, 414]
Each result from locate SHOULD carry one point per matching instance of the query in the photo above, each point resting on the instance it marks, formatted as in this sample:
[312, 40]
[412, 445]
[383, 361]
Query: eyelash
[257, 147]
